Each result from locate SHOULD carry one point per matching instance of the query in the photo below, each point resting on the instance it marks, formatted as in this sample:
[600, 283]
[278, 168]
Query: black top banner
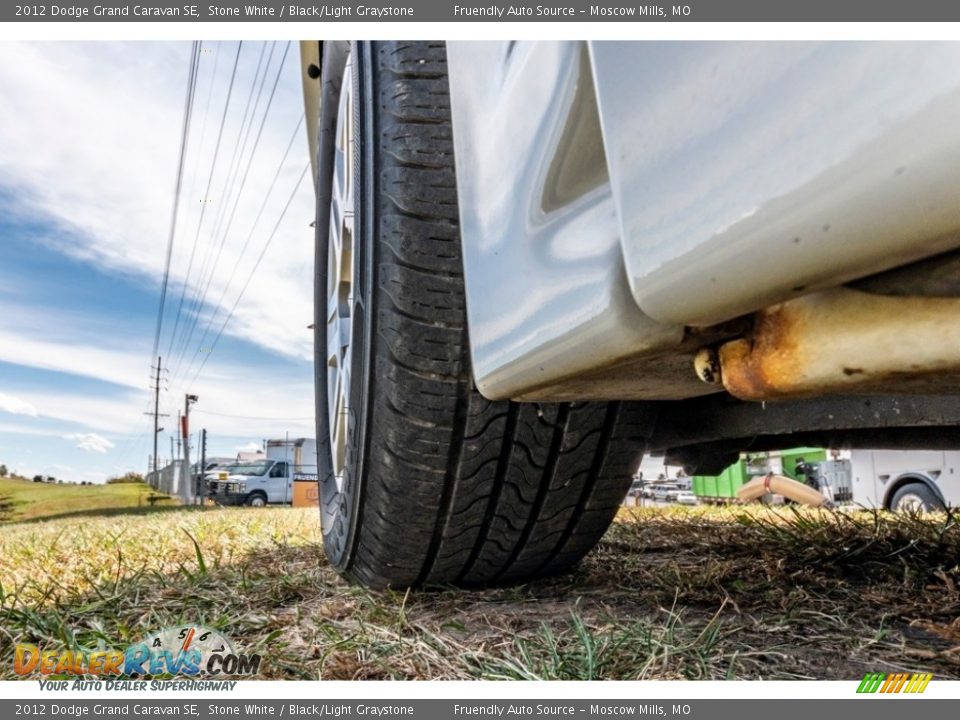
[70, 707]
[475, 11]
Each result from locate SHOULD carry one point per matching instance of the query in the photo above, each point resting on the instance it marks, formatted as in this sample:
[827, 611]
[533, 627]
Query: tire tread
[460, 489]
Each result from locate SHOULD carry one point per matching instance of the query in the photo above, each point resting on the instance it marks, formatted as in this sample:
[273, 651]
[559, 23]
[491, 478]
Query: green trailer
[723, 487]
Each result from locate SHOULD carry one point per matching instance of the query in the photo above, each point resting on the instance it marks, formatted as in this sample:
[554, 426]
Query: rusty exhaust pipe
[842, 341]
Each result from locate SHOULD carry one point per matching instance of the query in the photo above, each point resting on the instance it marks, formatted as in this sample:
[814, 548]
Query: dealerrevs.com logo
[187, 651]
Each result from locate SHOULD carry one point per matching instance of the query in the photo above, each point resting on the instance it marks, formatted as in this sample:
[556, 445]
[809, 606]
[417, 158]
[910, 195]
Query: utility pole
[185, 431]
[179, 423]
[156, 410]
[203, 465]
[286, 457]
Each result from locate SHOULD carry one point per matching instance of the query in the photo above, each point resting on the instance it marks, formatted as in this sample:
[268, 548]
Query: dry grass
[681, 593]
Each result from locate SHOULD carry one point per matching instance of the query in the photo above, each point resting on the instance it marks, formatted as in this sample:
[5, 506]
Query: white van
[905, 480]
[254, 483]
[266, 481]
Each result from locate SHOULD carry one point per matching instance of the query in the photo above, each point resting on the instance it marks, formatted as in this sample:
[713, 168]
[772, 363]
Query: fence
[172, 480]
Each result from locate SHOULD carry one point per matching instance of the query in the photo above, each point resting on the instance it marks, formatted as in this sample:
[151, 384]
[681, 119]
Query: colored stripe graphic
[894, 683]
[898, 683]
[870, 683]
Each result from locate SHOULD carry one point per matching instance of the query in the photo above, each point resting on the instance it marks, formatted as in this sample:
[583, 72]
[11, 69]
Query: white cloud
[18, 429]
[83, 411]
[102, 363]
[90, 155]
[230, 396]
[16, 406]
[91, 442]
[230, 388]
[249, 447]
[93, 147]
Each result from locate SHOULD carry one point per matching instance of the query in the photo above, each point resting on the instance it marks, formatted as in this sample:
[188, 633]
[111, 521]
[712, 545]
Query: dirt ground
[670, 593]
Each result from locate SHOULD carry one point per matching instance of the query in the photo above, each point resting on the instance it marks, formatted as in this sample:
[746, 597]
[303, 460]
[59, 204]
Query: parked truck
[268, 481]
[906, 480]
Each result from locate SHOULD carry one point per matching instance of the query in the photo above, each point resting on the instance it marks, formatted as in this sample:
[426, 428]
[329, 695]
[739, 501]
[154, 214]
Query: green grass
[669, 594]
[32, 501]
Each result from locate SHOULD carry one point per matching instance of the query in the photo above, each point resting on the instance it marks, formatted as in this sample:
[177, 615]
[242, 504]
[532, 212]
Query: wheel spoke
[334, 344]
[340, 278]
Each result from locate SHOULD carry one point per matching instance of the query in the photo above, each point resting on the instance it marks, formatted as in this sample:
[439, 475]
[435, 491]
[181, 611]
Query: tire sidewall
[927, 500]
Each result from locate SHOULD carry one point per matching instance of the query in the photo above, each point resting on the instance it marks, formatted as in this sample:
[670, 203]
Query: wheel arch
[910, 478]
[256, 493]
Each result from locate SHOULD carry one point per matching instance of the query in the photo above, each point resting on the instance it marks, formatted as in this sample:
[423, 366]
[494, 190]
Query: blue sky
[88, 158]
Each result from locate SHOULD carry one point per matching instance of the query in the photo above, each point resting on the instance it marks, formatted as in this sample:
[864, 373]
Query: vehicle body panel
[547, 294]
[878, 474]
[300, 452]
[615, 196]
[757, 171]
[664, 492]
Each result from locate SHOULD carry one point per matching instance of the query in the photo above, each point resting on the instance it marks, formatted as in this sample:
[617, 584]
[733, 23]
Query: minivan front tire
[423, 481]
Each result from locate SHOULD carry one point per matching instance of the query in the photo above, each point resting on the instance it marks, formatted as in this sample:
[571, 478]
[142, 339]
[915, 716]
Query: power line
[156, 410]
[206, 197]
[243, 182]
[246, 124]
[184, 134]
[130, 444]
[252, 417]
[253, 271]
[206, 118]
[179, 347]
[243, 250]
[178, 187]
